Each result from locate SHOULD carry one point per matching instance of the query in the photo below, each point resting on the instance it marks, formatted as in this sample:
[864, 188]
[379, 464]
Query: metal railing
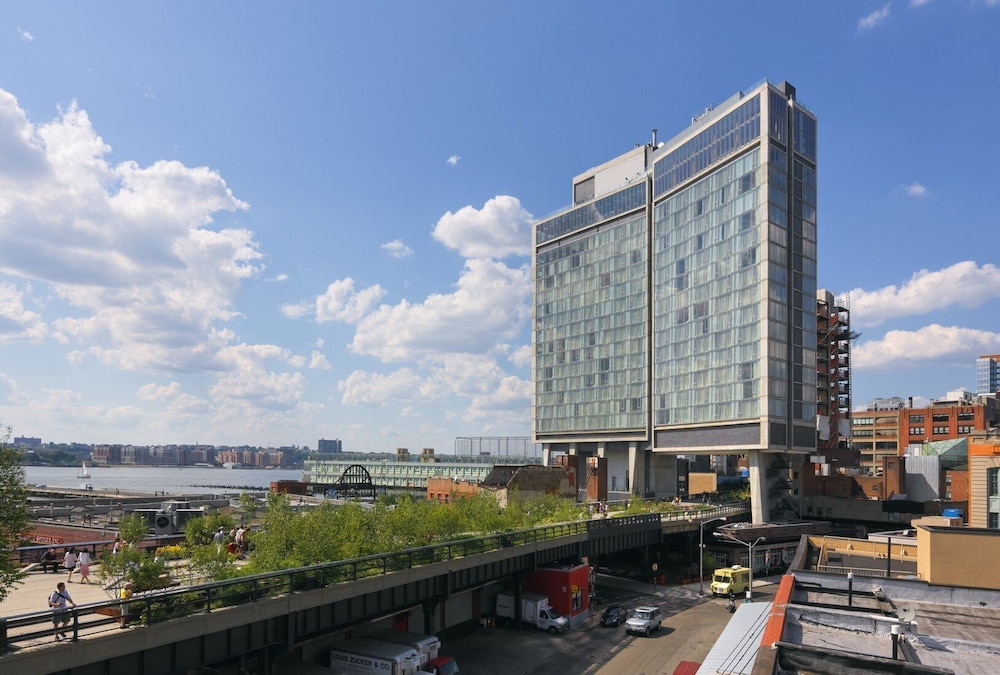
[154, 607]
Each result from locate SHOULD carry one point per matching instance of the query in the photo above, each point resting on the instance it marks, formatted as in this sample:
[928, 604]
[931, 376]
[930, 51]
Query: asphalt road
[691, 626]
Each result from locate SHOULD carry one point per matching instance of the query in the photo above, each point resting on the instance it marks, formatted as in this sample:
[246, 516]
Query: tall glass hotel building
[675, 304]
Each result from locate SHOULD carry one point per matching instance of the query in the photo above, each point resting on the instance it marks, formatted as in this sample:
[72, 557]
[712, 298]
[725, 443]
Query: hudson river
[188, 479]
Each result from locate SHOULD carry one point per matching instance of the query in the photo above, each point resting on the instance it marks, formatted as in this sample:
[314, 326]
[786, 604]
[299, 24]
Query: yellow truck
[733, 580]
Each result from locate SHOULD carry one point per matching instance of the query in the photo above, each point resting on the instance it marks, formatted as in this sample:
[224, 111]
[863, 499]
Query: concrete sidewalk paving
[32, 595]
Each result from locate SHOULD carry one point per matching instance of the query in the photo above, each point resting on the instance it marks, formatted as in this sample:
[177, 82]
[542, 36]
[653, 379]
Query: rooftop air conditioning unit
[163, 523]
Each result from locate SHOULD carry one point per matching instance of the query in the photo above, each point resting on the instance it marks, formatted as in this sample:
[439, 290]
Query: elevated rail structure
[266, 615]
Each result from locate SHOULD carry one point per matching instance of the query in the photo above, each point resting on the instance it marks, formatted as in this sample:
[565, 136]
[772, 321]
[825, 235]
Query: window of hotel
[578, 352]
[707, 280]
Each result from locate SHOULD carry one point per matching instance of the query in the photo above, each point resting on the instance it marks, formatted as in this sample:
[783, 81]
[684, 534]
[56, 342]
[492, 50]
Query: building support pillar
[546, 454]
[758, 488]
[636, 469]
[602, 448]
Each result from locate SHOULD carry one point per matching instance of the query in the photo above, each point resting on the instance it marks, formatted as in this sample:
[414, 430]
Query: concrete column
[546, 454]
[636, 469]
[429, 607]
[601, 448]
[663, 474]
[572, 449]
[758, 488]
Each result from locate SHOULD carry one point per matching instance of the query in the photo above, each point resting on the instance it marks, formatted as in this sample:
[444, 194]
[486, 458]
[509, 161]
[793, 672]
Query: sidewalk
[33, 594]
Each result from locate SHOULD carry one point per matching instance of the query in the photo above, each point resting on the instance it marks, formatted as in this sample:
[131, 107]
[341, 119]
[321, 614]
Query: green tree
[13, 513]
[199, 531]
[274, 546]
[132, 563]
[133, 528]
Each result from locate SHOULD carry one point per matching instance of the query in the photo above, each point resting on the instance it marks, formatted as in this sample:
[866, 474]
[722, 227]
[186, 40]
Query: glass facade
[988, 374]
[724, 138]
[692, 307]
[616, 204]
[706, 285]
[590, 330]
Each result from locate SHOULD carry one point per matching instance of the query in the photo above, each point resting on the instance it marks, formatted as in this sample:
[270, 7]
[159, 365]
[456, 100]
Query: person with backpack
[60, 615]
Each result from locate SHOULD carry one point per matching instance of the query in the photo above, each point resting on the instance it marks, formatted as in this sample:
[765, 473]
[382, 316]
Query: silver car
[644, 620]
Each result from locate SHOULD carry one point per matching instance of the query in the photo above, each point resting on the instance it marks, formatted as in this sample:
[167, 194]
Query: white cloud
[964, 284]
[25, 35]
[17, 323]
[159, 392]
[247, 382]
[342, 303]
[935, 343]
[490, 305]
[521, 356]
[363, 388]
[296, 310]
[318, 361]
[129, 248]
[279, 277]
[919, 3]
[500, 229]
[453, 160]
[9, 392]
[178, 403]
[876, 18]
[397, 249]
[476, 378]
[915, 189]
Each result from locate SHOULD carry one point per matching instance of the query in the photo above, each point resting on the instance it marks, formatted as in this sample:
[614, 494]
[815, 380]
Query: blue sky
[260, 223]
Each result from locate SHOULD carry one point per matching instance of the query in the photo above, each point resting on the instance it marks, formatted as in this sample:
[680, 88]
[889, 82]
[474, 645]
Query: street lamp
[701, 552]
[726, 535]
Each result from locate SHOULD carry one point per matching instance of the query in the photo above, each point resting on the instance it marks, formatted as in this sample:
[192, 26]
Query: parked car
[644, 620]
[615, 615]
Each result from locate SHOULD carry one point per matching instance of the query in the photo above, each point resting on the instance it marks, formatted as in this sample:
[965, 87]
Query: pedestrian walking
[60, 615]
[69, 562]
[240, 540]
[220, 539]
[83, 562]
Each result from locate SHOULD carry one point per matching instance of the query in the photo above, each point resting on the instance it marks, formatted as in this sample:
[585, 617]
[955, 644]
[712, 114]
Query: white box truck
[535, 610]
[429, 645]
[367, 657]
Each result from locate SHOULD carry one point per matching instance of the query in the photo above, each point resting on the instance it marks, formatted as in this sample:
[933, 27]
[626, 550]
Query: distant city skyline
[315, 222]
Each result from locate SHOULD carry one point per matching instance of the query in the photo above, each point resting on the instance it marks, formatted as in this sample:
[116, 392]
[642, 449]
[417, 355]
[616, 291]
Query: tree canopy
[13, 512]
[288, 538]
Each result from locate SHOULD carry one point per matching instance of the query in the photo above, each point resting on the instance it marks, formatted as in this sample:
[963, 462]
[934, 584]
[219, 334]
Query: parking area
[691, 625]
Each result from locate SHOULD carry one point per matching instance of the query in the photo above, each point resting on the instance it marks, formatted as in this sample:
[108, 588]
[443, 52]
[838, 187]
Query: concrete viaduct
[259, 619]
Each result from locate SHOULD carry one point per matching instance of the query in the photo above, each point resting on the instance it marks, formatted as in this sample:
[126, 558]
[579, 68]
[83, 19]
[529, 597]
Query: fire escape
[833, 399]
